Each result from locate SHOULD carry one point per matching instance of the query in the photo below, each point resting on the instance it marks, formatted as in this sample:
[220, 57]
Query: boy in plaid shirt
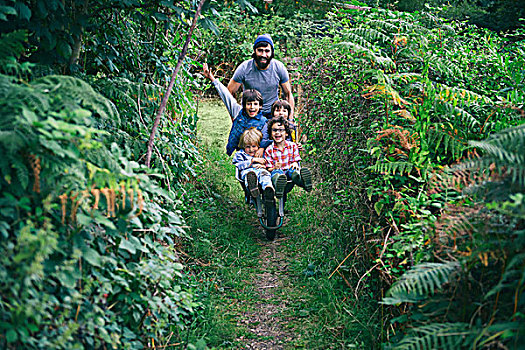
[283, 158]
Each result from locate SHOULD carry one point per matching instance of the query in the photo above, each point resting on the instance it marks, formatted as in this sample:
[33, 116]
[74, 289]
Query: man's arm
[287, 89]
[233, 86]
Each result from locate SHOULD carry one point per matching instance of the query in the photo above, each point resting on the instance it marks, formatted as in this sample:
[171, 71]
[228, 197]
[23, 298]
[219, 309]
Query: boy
[243, 117]
[283, 159]
[280, 108]
[253, 169]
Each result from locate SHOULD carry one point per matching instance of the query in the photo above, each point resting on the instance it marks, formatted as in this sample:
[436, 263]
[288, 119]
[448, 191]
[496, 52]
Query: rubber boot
[268, 193]
[296, 179]
[252, 184]
[279, 183]
[306, 177]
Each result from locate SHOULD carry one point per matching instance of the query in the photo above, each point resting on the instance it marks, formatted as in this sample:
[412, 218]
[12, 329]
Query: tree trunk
[166, 96]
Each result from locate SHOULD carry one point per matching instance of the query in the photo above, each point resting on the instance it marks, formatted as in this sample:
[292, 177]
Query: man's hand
[207, 73]
[294, 166]
[300, 147]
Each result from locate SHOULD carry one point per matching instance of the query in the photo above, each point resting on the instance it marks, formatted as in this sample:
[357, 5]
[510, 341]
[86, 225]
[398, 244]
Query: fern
[371, 35]
[513, 277]
[453, 145]
[11, 47]
[385, 62]
[442, 336]
[420, 281]
[444, 66]
[393, 167]
[504, 152]
[447, 93]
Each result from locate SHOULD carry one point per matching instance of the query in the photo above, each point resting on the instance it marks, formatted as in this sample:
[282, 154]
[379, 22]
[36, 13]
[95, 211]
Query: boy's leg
[252, 184]
[279, 182]
[306, 177]
[266, 183]
[302, 178]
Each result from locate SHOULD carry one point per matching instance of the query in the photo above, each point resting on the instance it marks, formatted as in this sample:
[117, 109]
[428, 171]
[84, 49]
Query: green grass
[224, 250]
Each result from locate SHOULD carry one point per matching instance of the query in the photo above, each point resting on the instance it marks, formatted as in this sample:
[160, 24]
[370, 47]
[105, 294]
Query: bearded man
[264, 74]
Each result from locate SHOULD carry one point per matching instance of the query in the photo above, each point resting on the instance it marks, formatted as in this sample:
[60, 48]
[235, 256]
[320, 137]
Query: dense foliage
[394, 100]
[89, 235]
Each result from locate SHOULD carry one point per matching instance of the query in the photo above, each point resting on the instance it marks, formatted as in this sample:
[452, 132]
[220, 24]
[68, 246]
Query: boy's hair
[278, 120]
[251, 95]
[250, 136]
[281, 103]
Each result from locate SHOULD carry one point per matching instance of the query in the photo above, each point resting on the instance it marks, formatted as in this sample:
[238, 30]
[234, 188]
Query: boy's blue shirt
[242, 160]
[241, 123]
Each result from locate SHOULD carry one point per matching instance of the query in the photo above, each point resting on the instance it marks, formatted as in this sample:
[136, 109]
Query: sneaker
[253, 185]
[279, 181]
[268, 193]
[306, 176]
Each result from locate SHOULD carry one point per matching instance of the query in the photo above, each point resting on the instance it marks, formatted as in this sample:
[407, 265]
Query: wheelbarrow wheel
[271, 219]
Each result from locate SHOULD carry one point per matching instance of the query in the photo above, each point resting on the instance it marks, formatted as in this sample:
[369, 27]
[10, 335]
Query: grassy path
[260, 294]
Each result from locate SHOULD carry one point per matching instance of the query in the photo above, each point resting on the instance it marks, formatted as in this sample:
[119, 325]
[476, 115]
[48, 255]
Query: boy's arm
[229, 101]
[242, 161]
[269, 161]
[265, 142]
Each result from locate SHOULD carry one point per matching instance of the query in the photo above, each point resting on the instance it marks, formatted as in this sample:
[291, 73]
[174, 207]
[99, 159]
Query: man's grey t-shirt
[265, 81]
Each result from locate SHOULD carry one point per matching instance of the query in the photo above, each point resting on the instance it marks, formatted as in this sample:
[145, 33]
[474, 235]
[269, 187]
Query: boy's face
[280, 112]
[278, 133]
[252, 108]
[251, 149]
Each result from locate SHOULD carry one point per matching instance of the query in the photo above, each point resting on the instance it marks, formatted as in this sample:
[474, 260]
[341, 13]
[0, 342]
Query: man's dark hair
[278, 120]
[251, 95]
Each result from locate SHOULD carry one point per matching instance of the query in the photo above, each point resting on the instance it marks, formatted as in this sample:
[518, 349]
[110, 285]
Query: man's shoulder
[246, 65]
[278, 64]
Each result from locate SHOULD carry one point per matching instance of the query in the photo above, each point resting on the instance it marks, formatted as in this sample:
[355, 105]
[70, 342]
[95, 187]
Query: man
[264, 74]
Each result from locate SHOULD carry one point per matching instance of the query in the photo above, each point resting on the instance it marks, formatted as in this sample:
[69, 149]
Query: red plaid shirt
[287, 156]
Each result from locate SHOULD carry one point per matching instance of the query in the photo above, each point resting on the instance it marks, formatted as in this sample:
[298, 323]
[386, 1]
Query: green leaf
[23, 11]
[92, 257]
[11, 336]
[66, 279]
[127, 245]
[377, 207]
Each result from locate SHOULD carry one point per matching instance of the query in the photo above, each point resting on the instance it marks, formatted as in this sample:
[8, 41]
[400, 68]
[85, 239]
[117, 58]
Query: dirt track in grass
[263, 322]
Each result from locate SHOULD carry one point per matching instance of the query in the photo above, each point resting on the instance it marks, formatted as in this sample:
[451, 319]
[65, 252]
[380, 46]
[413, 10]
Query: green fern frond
[406, 26]
[407, 77]
[438, 137]
[384, 25]
[447, 93]
[444, 66]
[351, 36]
[422, 280]
[504, 152]
[442, 336]
[393, 167]
[513, 277]
[457, 113]
[385, 62]
[371, 35]
[12, 44]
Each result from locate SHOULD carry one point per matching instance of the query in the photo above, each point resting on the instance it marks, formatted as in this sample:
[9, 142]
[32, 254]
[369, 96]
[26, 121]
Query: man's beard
[260, 64]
